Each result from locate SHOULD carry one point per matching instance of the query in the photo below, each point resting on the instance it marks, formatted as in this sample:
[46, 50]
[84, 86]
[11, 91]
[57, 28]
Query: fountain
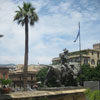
[64, 74]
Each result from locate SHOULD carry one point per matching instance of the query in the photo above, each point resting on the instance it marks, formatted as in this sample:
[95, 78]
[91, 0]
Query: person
[64, 56]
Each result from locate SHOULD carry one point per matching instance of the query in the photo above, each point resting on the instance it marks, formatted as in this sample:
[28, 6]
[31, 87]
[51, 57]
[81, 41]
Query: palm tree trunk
[26, 55]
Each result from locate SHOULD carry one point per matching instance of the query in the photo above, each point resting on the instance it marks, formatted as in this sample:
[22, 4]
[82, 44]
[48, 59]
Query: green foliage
[93, 95]
[89, 74]
[26, 11]
[5, 82]
[85, 73]
[41, 75]
[52, 81]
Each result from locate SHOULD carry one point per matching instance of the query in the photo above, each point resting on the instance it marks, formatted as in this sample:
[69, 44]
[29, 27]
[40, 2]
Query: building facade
[17, 79]
[87, 56]
[16, 75]
[96, 46]
[4, 72]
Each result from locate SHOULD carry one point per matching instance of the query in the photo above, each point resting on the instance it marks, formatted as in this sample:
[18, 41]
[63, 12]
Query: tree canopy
[89, 74]
[26, 11]
[41, 75]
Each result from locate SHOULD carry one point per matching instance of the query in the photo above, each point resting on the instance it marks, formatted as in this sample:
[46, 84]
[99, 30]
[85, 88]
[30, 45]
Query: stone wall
[77, 94]
[93, 85]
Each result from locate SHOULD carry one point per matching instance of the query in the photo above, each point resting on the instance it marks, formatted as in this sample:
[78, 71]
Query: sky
[56, 29]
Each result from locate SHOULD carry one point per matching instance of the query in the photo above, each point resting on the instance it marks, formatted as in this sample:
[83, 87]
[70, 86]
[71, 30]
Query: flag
[78, 33]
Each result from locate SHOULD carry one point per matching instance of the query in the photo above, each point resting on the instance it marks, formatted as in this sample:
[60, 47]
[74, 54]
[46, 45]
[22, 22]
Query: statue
[63, 72]
[64, 56]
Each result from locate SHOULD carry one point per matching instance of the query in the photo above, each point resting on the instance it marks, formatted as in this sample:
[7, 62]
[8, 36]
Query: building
[96, 46]
[16, 75]
[88, 56]
[4, 72]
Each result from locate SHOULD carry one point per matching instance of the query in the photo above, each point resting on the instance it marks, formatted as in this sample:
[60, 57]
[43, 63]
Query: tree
[41, 75]
[89, 74]
[85, 74]
[24, 16]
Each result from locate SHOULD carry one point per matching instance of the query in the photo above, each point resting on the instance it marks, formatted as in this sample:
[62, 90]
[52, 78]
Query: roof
[97, 44]
[31, 68]
[76, 56]
[83, 51]
[5, 67]
[56, 58]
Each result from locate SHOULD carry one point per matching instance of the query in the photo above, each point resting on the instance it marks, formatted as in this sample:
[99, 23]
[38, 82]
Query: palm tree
[26, 15]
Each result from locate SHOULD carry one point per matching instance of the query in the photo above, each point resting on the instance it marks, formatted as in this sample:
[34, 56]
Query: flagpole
[80, 44]
[80, 55]
[79, 36]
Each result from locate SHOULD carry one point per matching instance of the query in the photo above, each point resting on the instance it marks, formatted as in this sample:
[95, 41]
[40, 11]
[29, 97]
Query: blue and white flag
[78, 33]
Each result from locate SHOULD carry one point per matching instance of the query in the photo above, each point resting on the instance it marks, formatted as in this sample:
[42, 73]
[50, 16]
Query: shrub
[93, 95]
[5, 82]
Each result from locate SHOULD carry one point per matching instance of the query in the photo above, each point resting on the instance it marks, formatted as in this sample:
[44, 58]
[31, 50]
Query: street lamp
[1, 36]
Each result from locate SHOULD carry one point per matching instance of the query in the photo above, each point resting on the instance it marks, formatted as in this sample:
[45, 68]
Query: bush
[93, 95]
[41, 76]
[89, 74]
[5, 82]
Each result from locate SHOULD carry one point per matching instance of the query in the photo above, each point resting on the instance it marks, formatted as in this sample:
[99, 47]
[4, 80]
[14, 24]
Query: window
[92, 52]
[4, 75]
[85, 60]
[98, 54]
[20, 77]
[93, 61]
[77, 59]
[98, 62]
[31, 77]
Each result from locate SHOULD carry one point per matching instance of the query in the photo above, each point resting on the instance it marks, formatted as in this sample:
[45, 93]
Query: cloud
[56, 29]
[61, 8]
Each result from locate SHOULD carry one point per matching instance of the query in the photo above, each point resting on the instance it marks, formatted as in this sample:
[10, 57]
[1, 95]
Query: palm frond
[16, 17]
[20, 21]
[20, 8]
[31, 22]
[23, 22]
[32, 10]
[26, 10]
[29, 5]
[17, 11]
[25, 7]
[35, 16]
